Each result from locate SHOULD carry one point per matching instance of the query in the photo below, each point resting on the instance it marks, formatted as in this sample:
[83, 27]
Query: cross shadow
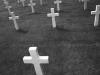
[92, 29]
[22, 31]
[61, 29]
[61, 11]
[36, 13]
[97, 29]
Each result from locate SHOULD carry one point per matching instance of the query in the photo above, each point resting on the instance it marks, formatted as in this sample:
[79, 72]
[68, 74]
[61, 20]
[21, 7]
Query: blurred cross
[97, 13]
[32, 6]
[23, 2]
[41, 2]
[58, 4]
[13, 17]
[9, 7]
[36, 60]
[53, 15]
[6, 2]
[18, 1]
[85, 3]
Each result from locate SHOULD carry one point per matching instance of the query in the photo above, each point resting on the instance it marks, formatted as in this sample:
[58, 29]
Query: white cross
[41, 2]
[97, 13]
[36, 60]
[18, 1]
[85, 3]
[32, 6]
[8, 7]
[58, 4]
[6, 2]
[13, 17]
[53, 14]
[31, 0]
[23, 2]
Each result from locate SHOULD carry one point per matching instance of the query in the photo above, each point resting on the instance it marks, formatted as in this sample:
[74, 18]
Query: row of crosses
[52, 14]
[23, 2]
[32, 4]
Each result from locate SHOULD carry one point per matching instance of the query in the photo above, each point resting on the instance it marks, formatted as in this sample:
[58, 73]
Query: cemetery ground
[73, 48]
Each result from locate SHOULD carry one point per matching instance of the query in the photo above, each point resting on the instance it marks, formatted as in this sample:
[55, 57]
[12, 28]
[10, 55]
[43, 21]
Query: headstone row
[32, 4]
[52, 14]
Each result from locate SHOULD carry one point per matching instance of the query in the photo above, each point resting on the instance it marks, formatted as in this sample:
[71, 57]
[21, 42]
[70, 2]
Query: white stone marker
[31, 0]
[53, 15]
[58, 4]
[13, 17]
[23, 2]
[85, 3]
[18, 1]
[36, 60]
[8, 7]
[97, 13]
[32, 6]
[41, 2]
[6, 2]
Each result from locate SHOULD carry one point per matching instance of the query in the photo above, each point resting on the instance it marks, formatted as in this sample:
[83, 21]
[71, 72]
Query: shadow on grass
[92, 29]
[22, 31]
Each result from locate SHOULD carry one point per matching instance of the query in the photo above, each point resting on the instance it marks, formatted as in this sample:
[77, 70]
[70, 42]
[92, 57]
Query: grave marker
[13, 17]
[53, 15]
[97, 13]
[31, 0]
[41, 2]
[36, 60]
[85, 3]
[18, 1]
[9, 7]
[6, 2]
[58, 4]
[23, 2]
[32, 6]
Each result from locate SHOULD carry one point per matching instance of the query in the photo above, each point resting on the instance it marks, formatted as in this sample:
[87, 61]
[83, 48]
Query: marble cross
[58, 4]
[53, 15]
[32, 6]
[97, 13]
[13, 17]
[23, 2]
[9, 7]
[36, 60]
[18, 1]
[6, 2]
[85, 3]
[41, 2]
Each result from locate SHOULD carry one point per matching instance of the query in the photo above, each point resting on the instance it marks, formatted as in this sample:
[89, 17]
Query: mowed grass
[73, 48]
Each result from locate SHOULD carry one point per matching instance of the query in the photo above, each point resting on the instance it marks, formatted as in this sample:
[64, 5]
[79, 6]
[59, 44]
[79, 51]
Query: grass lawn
[73, 48]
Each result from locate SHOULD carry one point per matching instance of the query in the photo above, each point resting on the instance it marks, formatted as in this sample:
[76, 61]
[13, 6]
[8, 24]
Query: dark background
[73, 47]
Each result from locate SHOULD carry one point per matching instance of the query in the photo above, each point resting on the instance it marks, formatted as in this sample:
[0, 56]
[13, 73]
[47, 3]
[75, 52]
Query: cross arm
[49, 15]
[10, 18]
[57, 14]
[29, 4]
[44, 59]
[55, 2]
[17, 17]
[22, 0]
[27, 59]
[94, 12]
[85, 0]
[8, 7]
